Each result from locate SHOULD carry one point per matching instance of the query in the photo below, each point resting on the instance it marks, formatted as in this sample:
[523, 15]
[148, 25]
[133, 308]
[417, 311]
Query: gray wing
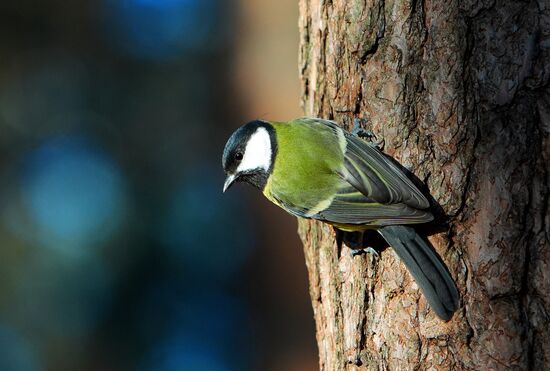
[374, 190]
[377, 177]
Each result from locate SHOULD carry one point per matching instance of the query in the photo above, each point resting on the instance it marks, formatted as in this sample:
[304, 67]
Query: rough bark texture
[459, 92]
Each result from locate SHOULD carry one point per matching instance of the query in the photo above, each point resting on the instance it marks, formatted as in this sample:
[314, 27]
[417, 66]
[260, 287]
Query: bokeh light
[161, 29]
[16, 353]
[73, 192]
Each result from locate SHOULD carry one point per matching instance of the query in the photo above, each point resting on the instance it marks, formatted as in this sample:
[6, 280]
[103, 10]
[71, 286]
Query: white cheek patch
[257, 153]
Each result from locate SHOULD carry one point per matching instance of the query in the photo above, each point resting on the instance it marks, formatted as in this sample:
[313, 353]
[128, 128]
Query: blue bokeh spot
[159, 29]
[72, 191]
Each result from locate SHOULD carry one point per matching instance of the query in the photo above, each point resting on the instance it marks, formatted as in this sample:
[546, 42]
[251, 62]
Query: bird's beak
[228, 182]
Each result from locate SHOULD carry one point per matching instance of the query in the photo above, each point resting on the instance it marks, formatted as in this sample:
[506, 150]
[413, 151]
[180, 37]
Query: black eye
[238, 156]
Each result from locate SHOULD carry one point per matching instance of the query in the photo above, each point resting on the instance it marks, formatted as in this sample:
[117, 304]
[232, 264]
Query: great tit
[314, 169]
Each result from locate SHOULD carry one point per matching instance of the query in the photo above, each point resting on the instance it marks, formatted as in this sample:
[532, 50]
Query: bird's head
[249, 154]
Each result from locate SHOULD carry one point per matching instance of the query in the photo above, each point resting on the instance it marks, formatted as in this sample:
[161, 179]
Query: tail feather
[426, 268]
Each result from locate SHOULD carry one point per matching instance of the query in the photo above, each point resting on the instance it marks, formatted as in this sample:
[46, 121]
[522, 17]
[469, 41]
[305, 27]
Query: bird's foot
[363, 133]
[360, 132]
[367, 250]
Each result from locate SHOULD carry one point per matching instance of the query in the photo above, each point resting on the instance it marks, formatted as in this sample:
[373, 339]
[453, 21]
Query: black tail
[426, 267]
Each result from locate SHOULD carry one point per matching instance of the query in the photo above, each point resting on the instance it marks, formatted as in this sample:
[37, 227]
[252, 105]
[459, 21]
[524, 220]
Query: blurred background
[118, 250]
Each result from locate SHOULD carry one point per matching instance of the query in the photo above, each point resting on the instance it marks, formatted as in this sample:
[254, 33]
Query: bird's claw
[365, 134]
[360, 132]
[367, 250]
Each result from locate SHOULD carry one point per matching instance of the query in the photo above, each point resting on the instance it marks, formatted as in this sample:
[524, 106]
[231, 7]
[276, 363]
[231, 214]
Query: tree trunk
[459, 92]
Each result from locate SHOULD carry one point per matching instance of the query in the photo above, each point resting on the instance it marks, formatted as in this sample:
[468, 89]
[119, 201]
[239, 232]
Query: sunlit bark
[459, 92]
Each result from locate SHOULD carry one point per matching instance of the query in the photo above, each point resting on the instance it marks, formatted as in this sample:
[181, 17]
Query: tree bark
[459, 91]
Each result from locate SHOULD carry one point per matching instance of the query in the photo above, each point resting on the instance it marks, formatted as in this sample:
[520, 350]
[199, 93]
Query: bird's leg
[339, 239]
[354, 241]
[364, 133]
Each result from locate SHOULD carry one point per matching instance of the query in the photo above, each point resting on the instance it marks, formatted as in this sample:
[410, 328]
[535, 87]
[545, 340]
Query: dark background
[118, 249]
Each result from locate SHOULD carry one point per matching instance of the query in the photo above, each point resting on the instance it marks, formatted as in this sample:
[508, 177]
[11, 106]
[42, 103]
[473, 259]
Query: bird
[314, 169]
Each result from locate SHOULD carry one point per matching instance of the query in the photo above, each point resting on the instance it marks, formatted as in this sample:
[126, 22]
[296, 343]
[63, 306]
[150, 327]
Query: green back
[308, 159]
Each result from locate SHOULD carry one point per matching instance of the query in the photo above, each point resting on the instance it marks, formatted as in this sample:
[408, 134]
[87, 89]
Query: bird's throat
[257, 179]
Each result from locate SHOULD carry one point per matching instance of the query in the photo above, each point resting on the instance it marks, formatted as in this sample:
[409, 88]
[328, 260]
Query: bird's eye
[238, 156]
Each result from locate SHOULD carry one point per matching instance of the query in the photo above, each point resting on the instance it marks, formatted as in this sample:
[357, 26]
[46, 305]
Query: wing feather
[377, 177]
[375, 214]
